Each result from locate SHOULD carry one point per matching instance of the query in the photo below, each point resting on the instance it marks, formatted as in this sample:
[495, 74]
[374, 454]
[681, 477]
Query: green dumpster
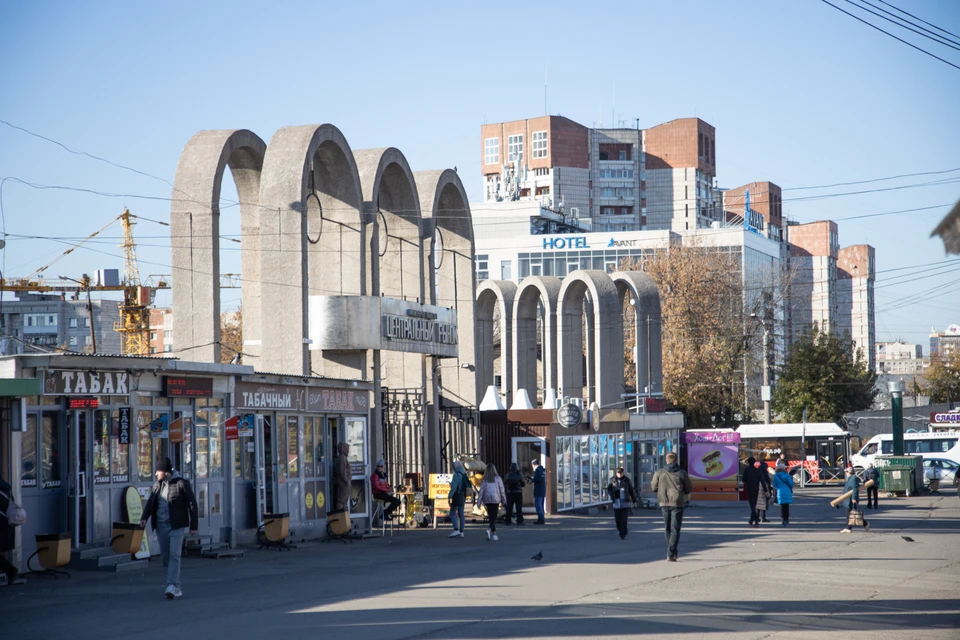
[900, 474]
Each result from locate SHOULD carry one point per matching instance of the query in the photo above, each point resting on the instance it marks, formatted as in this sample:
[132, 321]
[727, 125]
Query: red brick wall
[567, 144]
[675, 144]
[811, 239]
[765, 198]
[855, 261]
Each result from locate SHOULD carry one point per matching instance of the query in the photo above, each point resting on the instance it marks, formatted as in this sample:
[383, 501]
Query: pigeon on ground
[538, 557]
[908, 538]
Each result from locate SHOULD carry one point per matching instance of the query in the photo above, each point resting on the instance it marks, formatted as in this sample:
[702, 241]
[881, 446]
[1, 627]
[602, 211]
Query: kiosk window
[281, 446]
[101, 447]
[28, 453]
[309, 470]
[50, 441]
[293, 444]
[214, 443]
[356, 440]
[144, 457]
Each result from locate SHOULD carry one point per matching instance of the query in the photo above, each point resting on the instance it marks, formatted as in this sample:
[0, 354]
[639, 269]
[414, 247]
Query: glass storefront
[584, 466]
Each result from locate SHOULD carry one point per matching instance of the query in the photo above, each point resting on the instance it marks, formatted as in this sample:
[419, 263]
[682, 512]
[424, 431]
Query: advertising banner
[712, 459]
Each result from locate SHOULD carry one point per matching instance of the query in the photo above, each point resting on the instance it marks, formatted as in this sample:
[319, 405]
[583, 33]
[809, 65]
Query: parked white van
[942, 444]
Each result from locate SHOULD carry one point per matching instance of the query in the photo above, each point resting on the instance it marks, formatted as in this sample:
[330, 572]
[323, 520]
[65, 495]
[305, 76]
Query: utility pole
[896, 398]
[766, 375]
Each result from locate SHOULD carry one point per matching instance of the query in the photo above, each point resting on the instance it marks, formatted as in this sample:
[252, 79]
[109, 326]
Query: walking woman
[783, 483]
[491, 496]
[766, 491]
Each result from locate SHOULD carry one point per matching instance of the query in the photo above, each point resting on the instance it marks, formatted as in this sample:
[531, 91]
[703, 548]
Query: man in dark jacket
[873, 491]
[751, 484]
[7, 533]
[539, 490]
[672, 485]
[514, 483]
[621, 493]
[171, 509]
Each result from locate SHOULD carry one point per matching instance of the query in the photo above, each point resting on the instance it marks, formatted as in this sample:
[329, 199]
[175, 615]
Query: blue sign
[575, 242]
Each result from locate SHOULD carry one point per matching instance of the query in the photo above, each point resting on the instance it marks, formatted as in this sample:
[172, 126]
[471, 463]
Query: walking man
[751, 484]
[539, 490]
[621, 493]
[171, 508]
[873, 491]
[672, 485]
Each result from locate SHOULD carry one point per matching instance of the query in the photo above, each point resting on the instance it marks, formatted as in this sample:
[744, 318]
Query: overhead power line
[920, 19]
[909, 26]
[911, 45]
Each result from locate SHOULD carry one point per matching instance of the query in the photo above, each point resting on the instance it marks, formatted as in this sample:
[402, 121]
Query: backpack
[15, 515]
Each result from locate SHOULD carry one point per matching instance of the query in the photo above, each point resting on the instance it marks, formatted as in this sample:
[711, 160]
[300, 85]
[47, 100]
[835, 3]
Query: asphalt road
[731, 582]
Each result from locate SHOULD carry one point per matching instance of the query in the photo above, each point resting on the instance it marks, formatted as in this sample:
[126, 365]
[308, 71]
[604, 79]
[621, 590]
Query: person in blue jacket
[852, 485]
[539, 489]
[783, 484]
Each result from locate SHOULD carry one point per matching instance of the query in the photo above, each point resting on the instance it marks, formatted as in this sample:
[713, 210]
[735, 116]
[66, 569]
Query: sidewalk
[731, 581]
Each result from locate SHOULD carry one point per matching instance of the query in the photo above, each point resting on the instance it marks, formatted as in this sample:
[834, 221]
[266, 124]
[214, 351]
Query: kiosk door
[523, 452]
[79, 480]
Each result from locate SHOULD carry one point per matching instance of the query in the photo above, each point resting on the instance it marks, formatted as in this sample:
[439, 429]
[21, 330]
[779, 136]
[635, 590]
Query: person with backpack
[783, 483]
[458, 498]
[491, 496]
[672, 485]
[8, 536]
[514, 484]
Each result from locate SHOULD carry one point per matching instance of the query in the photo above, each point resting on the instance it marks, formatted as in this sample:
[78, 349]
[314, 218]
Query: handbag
[15, 515]
[855, 519]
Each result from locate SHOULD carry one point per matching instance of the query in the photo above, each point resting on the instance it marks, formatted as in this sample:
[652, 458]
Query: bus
[939, 444]
[827, 449]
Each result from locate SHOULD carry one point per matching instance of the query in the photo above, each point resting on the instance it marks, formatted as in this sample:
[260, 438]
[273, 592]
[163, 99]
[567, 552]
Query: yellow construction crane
[134, 324]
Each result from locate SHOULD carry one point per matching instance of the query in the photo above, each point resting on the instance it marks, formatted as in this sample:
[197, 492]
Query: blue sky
[800, 94]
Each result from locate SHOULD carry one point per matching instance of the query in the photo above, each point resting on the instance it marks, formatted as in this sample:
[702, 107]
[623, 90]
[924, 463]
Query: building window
[515, 149]
[506, 269]
[72, 341]
[86, 341]
[541, 171]
[168, 348]
[623, 154]
[491, 151]
[73, 323]
[539, 144]
[86, 323]
[483, 271]
[153, 335]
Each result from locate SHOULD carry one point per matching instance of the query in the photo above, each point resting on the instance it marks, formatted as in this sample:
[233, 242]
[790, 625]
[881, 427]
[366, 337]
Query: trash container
[901, 474]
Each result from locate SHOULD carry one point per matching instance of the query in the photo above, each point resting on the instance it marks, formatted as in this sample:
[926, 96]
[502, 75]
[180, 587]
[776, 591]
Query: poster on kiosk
[713, 463]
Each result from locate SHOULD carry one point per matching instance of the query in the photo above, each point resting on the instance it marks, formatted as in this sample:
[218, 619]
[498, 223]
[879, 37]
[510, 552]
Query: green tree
[824, 373]
[942, 380]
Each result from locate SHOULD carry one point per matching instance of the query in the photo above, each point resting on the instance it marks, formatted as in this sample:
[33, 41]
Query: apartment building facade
[36, 323]
[899, 358]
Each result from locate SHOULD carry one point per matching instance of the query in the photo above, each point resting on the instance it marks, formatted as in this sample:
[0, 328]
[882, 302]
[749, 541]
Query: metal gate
[459, 434]
[402, 418]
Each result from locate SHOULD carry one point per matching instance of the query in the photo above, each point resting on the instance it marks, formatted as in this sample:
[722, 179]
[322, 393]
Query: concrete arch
[649, 322]
[391, 200]
[195, 229]
[448, 267]
[605, 337]
[307, 169]
[533, 291]
[490, 293]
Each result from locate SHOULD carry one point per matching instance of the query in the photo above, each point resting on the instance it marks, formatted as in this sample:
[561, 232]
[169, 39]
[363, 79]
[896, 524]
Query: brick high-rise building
[659, 178]
[766, 201]
[830, 286]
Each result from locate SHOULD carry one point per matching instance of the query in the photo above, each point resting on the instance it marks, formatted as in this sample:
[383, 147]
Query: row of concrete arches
[317, 218]
[557, 346]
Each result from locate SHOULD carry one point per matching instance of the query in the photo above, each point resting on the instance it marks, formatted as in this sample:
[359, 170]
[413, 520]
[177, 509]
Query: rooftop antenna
[546, 67]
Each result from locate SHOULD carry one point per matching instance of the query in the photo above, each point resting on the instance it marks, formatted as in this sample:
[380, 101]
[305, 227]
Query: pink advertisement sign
[712, 455]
